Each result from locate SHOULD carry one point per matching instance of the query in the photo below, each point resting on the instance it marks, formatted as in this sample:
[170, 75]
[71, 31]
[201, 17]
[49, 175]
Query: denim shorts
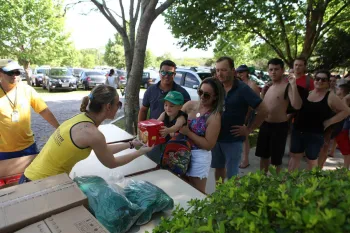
[310, 143]
[227, 155]
[31, 150]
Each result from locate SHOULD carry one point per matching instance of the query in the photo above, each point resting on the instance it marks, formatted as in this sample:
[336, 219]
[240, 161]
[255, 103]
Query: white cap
[9, 64]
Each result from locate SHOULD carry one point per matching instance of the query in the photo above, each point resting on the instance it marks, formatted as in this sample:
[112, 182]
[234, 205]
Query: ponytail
[84, 104]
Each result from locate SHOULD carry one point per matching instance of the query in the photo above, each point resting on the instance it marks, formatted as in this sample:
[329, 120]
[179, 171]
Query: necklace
[13, 104]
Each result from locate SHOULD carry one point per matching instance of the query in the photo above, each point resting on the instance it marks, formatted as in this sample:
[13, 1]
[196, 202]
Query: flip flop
[243, 167]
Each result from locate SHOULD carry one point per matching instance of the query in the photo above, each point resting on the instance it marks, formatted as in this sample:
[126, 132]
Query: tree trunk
[132, 105]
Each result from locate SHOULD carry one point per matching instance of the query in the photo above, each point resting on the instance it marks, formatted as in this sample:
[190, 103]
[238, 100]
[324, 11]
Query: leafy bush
[314, 201]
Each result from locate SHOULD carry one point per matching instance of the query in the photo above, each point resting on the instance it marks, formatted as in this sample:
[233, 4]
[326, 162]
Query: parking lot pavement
[63, 107]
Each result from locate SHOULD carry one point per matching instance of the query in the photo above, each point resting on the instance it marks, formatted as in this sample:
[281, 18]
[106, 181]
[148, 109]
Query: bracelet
[131, 145]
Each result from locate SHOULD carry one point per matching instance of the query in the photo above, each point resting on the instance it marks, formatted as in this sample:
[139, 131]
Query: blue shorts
[31, 150]
[227, 155]
[310, 143]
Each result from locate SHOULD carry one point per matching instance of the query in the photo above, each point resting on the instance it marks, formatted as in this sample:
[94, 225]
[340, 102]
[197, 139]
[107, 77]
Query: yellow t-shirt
[59, 154]
[16, 136]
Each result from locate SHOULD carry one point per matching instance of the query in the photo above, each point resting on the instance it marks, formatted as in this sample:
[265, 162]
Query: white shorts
[200, 164]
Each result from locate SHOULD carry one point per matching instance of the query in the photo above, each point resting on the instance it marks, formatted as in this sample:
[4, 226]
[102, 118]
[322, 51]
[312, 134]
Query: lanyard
[13, 104]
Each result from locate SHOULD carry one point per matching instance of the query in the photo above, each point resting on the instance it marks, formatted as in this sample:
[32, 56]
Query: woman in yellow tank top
[76, 137]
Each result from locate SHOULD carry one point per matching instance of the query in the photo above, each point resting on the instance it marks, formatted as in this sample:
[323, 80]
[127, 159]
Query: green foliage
[114, 54]
[314, 201]
[150, 59]
[33, 31]
[289, 27]
[89, 58]
[332, 52]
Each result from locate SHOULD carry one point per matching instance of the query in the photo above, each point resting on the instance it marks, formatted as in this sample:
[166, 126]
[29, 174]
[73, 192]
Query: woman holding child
[204, 123]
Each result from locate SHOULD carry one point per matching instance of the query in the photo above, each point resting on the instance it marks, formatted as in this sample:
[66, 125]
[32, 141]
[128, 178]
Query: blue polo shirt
[237, 102]
[154, 95]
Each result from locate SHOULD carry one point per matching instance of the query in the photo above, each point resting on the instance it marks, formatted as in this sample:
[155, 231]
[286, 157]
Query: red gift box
[149, 132]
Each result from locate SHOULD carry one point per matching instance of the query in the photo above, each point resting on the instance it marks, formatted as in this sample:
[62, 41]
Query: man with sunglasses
[152, 99]
[16, 101]
[239, 97]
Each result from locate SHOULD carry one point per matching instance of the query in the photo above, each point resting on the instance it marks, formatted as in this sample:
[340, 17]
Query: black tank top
[169, 123]
[311, 116]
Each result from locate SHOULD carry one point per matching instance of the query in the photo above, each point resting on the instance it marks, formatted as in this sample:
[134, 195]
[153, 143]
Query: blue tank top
[198, 126]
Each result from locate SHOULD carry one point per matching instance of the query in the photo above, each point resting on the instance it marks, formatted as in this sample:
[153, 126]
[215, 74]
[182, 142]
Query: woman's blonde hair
[98, 97]
[219, 91]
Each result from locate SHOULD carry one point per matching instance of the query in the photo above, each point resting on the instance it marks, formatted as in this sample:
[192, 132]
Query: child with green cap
[172, 116]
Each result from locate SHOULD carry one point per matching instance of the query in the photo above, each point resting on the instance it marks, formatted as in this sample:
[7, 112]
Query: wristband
[131, 145]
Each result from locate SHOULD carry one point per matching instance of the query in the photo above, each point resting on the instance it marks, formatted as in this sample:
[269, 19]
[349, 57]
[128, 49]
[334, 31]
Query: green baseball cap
[174, 97]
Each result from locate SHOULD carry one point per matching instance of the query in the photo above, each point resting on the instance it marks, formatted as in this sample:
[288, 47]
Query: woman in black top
[314, 117]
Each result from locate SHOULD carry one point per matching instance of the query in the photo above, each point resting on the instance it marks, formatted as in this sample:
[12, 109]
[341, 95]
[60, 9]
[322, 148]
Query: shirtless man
[243, 74]
[273, 132]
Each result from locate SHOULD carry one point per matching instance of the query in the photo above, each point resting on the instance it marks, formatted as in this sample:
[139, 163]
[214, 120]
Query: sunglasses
[12, 73]
[120, 105]
[321, 79]
[165, 73]
[206, 95]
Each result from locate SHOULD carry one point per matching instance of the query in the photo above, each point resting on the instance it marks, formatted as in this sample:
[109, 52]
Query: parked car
[91, 78]
[39, 75]
[190, 80]
[149, 77]
[258, 82]
[77, 71]
[60, 78]
[122, 77]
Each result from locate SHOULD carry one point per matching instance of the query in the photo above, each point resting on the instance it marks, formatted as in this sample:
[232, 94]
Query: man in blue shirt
[152, 98]
[239, 97]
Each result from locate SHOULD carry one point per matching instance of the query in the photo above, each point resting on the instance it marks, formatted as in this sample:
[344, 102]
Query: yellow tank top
[59, 154]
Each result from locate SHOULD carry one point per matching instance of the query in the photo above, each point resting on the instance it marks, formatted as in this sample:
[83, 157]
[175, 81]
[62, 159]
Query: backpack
[303, 92]
[177, 155]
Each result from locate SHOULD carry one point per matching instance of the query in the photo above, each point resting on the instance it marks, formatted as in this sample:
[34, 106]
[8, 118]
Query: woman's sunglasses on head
[206, 95]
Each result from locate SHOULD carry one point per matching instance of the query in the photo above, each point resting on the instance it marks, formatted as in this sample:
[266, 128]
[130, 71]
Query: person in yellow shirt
[16, 101]
[76, 137]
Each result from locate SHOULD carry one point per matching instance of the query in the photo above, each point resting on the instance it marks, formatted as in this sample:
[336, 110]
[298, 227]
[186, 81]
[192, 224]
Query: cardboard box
[10, 167]
[76, 220]
[149, 132]
[31, 202]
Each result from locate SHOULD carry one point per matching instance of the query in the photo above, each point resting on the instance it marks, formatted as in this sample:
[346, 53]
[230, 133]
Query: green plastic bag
[149, 197]
[112, 209]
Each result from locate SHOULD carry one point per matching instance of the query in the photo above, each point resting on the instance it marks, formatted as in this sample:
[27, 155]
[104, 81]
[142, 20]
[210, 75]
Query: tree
[209, 62]
[150, 59]
[290, 27]
[114, 54]
[32, 31]
[332, 52]
[90, 58]
[243, 50]
[141, 13]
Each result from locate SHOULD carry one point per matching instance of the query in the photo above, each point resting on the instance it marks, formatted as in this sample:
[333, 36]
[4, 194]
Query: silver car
[91, 78]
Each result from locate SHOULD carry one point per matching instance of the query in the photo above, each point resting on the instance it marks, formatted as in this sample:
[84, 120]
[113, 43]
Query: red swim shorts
[343, 142]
